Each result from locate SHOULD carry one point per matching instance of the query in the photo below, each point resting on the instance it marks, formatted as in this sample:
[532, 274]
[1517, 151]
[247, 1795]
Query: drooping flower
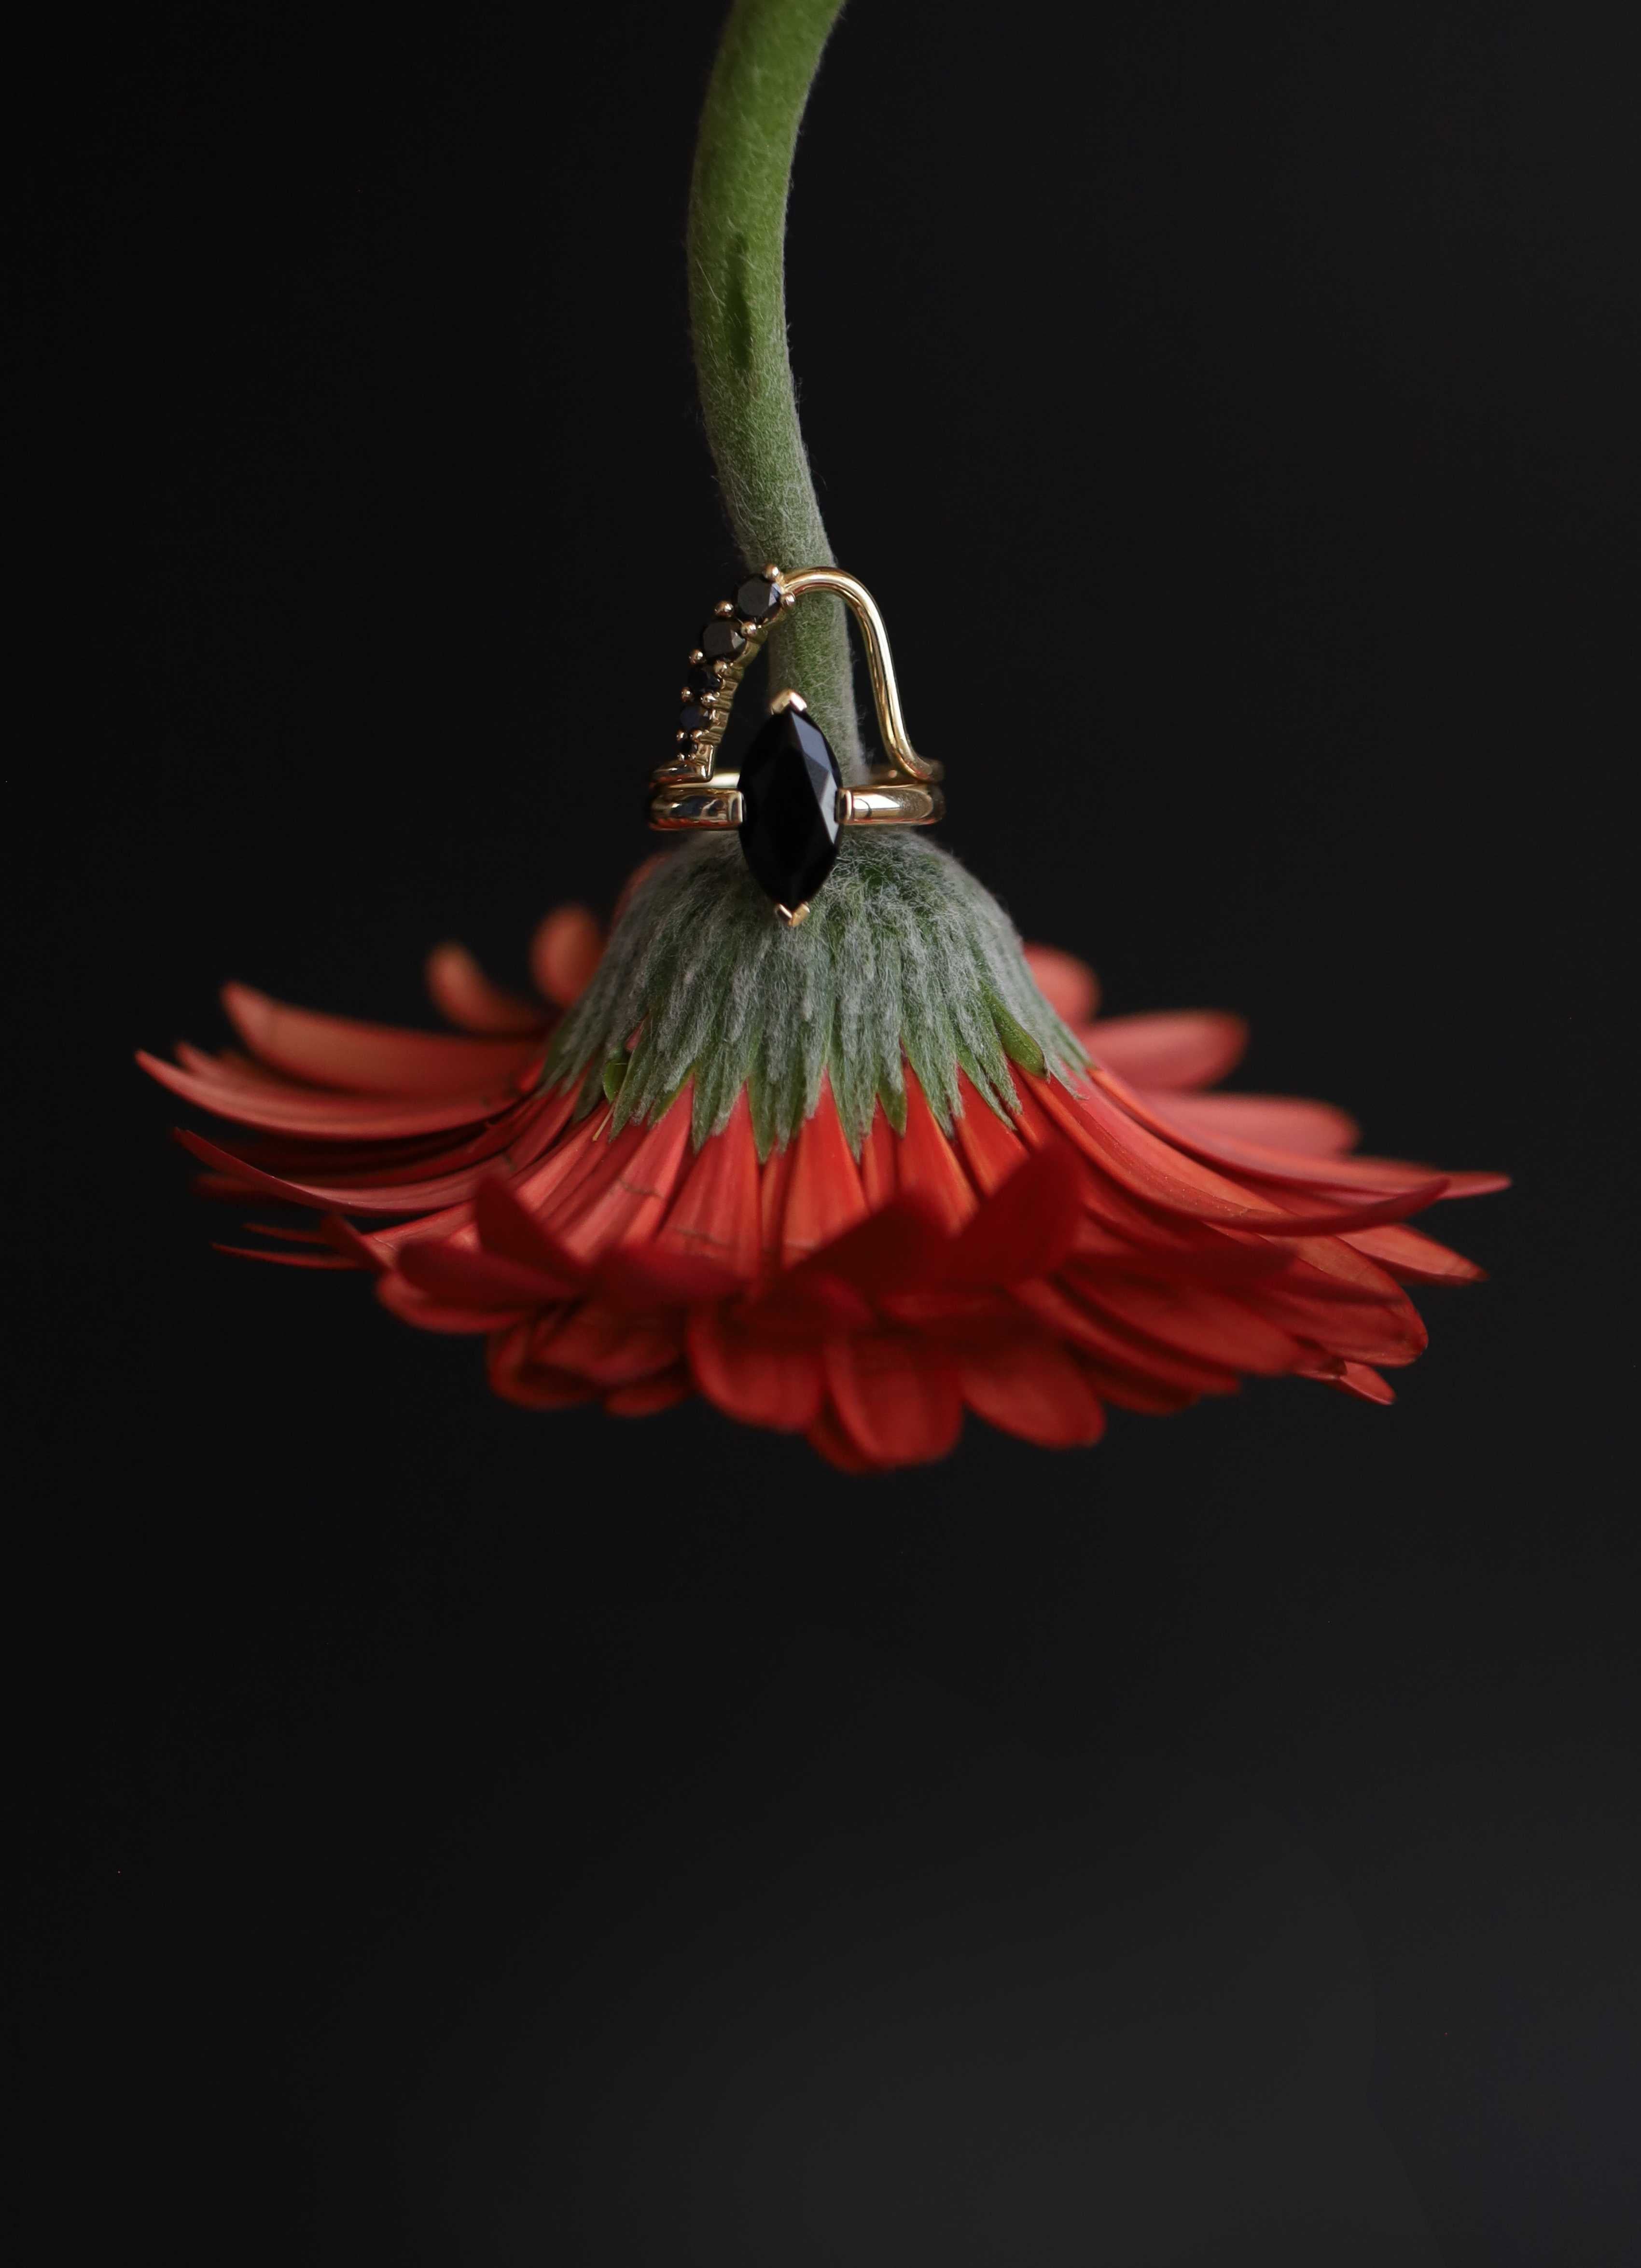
[850, 1181]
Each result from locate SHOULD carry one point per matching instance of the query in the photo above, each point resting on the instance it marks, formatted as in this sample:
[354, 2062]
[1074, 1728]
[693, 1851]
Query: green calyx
[905, 958]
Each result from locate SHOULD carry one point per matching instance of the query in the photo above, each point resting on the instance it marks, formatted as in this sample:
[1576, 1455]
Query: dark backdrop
[455, 1835]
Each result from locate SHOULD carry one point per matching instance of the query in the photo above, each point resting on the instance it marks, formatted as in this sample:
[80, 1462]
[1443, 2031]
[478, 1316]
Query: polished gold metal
[715, 802]
[892, 723]
[890, 803]
[790, 916]
[688, 791]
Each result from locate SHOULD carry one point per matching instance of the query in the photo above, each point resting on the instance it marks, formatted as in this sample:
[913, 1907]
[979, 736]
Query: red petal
[828, 1436]
[1035, 1389]
[991, 1148]
[627, 1196]
[519, 1136]
[465, 996]
[1353, 1378]
[505, 1228]
[1168, 1177]
[1282, 1121]
[232, 1068]
[345, 1239]
[401, 1298]
[371, 1058]
[1393, 1333]
[1387, 1176]
[329, 1260]
[757, 1377]
[613, 1349]
[896, 1398]
[716, 1212]
[299, 1110]
[1195, 1249]
[340, 1196]
[540, 1126]
[824, 1196]
[1192, 1047]
[926, 1167]
[1416, 1259]
[962, 1319]
[517, 1376]
[775, 1175]
[1069, 985]
[877, 1161]
[894, 1250]
[807, 1303]
[459, 1276]
[386, 1244]
[564, 951]
[1330, 1267]
[1028, 1227]
[1195, 1321]
[1124, 1391]
[646, 1395]
[642, 1276]
[552, 1184]
[1075, 1317]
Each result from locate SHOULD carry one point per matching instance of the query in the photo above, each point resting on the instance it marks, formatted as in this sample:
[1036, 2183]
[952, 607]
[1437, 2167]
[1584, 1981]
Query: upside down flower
[850, 1181]
[853, 1176]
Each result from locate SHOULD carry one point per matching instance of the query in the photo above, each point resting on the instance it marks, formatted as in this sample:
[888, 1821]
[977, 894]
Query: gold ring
[788, 800]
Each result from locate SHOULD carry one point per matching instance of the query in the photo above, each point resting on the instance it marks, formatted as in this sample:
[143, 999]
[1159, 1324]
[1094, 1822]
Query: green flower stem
[766, 61]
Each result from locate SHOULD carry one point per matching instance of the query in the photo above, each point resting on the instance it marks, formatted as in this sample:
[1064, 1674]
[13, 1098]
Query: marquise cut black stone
[702, 680]
[722, 639]
[789, 784]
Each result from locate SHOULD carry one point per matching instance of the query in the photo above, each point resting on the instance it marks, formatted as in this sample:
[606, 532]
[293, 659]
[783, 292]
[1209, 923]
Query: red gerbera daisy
[856, 1232]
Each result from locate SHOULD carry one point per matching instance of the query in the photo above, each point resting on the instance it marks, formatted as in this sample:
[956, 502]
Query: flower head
[850, 1181]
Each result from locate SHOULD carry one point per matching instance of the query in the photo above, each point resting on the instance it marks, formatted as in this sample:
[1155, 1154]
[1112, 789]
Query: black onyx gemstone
[702, 680]
[693, 720]
[722, 639]
[789, 784]
[756, 599]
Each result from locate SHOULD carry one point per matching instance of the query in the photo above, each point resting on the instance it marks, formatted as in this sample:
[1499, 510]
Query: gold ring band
[718, 802]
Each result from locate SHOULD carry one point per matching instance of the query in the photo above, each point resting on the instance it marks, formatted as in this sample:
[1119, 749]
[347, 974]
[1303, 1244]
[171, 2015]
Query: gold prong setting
[729, 639]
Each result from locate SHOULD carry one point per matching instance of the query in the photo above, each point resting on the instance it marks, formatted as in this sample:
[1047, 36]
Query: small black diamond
[692, 719]
[722, 639]
[789, 786]
[756, 599]
[702, 680]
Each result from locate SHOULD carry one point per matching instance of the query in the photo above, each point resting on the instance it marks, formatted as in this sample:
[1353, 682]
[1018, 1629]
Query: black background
[455, 1835]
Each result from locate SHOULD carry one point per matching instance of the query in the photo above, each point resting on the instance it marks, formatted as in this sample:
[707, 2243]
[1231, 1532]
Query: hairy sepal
[905, 958]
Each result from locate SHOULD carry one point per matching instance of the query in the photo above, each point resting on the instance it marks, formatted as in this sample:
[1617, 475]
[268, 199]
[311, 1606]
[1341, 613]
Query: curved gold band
[695, 759]
[903, 757]
[716, 802]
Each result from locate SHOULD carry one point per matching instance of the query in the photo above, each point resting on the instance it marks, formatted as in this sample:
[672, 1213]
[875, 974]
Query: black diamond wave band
[787, 801]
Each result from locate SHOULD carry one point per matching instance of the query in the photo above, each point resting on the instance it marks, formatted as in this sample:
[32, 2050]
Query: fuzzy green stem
[766, 61]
